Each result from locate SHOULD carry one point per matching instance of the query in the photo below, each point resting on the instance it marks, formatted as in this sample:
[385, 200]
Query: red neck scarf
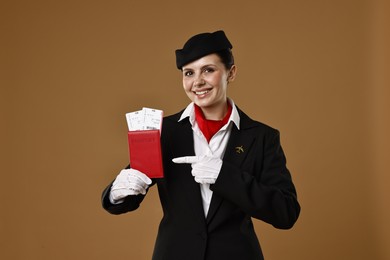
[210, 127]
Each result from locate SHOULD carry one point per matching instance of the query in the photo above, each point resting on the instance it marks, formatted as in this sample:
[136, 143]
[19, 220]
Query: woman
[221, 168]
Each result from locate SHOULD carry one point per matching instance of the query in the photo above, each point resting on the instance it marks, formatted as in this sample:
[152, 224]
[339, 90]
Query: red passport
[145, 152]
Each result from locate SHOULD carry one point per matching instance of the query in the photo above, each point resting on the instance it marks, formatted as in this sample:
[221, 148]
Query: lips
[201, 92]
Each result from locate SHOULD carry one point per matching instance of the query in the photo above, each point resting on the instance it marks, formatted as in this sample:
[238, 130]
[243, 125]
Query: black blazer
[253, 183]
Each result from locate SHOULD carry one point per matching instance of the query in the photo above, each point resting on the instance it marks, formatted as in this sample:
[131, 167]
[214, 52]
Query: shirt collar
[190, 112]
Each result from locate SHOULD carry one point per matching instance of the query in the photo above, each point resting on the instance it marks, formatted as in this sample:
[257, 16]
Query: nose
[199, 81]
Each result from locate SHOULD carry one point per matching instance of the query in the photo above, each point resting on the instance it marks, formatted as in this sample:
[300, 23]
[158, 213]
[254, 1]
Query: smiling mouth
[201, 92]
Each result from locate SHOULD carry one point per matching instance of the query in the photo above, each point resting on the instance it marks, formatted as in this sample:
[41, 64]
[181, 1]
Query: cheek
[218, 80]
[218, 83]
[186, 85]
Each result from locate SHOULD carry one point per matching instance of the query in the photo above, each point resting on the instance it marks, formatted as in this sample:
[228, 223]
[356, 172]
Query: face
[205, 82]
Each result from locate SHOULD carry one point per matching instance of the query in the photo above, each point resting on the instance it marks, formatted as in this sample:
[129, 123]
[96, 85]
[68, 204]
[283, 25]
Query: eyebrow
[204, 66]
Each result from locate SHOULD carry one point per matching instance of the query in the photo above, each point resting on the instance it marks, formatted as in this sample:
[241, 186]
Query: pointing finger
[186, 159]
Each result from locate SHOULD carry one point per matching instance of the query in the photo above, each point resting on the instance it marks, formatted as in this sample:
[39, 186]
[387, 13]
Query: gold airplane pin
[239, 149]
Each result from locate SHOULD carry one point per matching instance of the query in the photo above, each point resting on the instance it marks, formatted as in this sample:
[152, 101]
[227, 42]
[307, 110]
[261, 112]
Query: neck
[215, 113]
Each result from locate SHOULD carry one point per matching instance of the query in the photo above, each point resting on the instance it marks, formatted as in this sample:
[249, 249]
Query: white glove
[128, 182]
[205, 169]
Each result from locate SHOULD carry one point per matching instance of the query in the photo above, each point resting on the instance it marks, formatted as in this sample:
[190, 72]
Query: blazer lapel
[183, 145]
[237, 148]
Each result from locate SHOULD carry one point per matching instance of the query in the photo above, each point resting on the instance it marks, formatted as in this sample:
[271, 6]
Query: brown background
[316, 70]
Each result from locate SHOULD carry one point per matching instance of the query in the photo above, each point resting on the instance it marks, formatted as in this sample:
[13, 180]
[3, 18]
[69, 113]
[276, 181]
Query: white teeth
[201, 92]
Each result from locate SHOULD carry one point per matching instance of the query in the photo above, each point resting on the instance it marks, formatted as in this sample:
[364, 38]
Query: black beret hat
[201, 45]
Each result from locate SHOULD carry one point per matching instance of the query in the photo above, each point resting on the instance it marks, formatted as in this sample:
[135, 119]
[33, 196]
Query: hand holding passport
[144, 141]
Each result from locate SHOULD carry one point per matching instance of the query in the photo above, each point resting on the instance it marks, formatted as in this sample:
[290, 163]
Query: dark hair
[226, 57]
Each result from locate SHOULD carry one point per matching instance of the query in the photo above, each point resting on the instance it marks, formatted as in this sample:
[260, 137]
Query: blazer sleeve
[266, 191]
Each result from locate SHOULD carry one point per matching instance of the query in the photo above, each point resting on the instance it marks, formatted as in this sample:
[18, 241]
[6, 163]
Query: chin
[202, 103]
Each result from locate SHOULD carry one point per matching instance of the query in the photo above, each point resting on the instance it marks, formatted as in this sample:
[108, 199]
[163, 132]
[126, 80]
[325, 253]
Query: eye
[209, 70]
[188, 73]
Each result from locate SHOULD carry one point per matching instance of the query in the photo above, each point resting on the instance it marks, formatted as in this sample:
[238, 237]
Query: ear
[232, 73]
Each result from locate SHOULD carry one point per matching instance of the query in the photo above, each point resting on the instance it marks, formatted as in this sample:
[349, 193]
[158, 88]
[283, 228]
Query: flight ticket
[145, 119]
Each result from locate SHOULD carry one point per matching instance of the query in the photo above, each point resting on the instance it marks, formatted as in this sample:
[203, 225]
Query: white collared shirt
[216, 147]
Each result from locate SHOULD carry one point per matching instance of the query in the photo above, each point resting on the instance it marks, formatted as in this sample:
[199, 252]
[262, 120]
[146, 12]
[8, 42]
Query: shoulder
[171, 124]
[173, 119]
[247, 123]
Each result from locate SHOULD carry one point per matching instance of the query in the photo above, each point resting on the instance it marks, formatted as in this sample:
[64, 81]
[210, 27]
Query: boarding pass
[145, 119]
